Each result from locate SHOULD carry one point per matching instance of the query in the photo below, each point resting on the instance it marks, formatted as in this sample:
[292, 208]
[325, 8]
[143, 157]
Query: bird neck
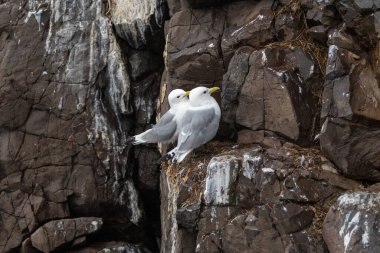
[203, 102]
[179, 104]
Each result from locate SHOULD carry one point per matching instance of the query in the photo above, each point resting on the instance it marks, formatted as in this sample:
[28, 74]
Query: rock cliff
[295, 164]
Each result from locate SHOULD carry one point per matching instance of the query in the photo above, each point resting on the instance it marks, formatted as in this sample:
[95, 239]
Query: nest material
[195, 166]
[316, 50]
[293, 6]
[320, 212]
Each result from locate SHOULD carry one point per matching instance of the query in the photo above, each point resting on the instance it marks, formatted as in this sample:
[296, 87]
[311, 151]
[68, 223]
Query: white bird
[167, 128]
[199, 123]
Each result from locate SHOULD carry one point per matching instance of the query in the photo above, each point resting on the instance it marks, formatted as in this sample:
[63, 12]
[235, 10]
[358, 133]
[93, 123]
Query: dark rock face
[67, 104]
[247, 23]
[178, 5]
[200, 42]
[111, 247]
[354, 148]
[138, 22]
[192, 52]
[220, 44]
[273, 90]
[349, 135]
[250, 200]
[56, 233]
[352, 223]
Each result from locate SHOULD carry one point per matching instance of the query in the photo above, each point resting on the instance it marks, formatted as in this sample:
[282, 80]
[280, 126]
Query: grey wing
[199, 126]
[164, 130]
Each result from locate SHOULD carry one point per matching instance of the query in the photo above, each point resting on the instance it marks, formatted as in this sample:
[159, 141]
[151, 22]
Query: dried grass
[320, 212]
[293, 6]
[317, 51]
[316, 228]
[195, 166]
[311, 156]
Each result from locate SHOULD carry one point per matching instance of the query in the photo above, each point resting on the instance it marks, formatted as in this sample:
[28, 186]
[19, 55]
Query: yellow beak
[187, 93]
[213, 89]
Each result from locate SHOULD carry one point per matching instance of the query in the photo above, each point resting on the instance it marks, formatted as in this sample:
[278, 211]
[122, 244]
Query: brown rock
[51, 181]
[58, 233]
[141, 31]
[187, 241]
[366, 94]
[315, 15]
[188, 216]
[254, 201]
[27, 247]
[375, 60]
[287, 26]
[374, 188]
[233, 80]
[78, 242]
[110, 247]
[342, 39]
[350, 101]
[318, 33]
[322, 13]
[176, 6]
[82, 185]
[21, 214]
[291, 218]
[65, 101]
[221, 176]
[248, 24]
[148, 171]
[352, 147]
[351, 223]
[199, 46]
[248, 136]
[358, 15]
[192, 47]
[270, 91]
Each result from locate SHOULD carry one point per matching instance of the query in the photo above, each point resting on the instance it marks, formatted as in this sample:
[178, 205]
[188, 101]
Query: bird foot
[165, 158]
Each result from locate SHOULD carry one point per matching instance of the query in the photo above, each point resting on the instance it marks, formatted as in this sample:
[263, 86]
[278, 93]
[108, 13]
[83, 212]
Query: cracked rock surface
[68, 103]
[260, 198]
[353, 222]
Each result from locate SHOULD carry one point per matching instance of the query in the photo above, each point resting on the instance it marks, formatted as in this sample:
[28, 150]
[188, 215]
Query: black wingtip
[166, 157]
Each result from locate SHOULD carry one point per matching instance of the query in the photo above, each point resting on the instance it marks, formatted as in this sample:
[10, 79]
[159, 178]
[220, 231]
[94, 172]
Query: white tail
[138, 139]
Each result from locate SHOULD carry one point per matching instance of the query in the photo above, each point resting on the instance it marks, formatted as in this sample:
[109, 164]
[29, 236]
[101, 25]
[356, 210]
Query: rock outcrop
[303, 71]
[54, 234]
[68, 100]
[352, 224]
[349, 135]
[271, 197]
[281, 84]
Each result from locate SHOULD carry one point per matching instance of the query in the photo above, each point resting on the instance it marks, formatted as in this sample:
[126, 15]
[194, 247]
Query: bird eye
[178, 96]
[204, 92]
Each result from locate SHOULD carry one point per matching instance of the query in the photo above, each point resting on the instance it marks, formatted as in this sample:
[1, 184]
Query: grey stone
[57, 233]
[352, 223]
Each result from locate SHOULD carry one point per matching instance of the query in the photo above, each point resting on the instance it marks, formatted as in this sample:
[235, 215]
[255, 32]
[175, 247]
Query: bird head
[178, 96]
[201, 95]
